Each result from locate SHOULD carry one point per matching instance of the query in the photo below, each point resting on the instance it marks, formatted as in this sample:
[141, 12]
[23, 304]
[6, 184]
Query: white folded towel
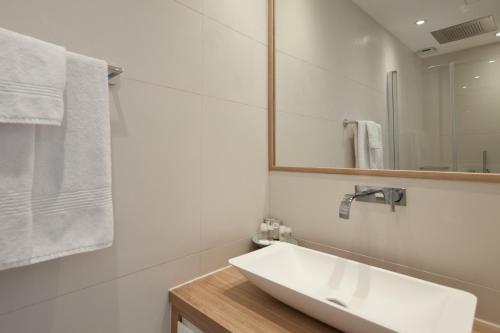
[32, 80]
[71, 204]
[375, 145]
[361, 149]
[368, 145]
[16, 180]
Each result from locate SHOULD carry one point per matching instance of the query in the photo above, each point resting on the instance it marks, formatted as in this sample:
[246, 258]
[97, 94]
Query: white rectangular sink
[354, 297]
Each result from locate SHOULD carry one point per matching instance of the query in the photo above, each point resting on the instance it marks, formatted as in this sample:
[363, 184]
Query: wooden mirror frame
[436, 175]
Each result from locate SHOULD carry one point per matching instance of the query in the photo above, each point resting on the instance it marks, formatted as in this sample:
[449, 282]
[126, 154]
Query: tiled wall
[189, 139]
[332, 61]
[448, 233]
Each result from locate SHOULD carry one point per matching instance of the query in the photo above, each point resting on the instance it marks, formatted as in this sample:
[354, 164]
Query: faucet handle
[394, 196]
[391, 198]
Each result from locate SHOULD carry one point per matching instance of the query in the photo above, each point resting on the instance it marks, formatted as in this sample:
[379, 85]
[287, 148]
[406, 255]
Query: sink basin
[354, 297]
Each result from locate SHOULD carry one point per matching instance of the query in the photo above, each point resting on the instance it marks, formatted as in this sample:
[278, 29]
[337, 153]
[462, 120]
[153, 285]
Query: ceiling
[399, 17]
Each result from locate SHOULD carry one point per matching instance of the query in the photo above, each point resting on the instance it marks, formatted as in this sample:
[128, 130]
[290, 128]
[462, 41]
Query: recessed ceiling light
[420, 22]
[477, 77]
[464, 87]
[492, 61]
[497, 34]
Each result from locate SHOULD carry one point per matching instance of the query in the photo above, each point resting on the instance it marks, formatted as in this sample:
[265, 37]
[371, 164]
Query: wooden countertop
[226, 301]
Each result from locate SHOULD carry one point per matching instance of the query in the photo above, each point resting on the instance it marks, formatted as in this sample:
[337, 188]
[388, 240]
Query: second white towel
[72, 205]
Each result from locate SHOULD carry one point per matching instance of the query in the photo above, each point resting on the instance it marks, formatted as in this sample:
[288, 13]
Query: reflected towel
[361, 151]
[375, 145]
[368, 146]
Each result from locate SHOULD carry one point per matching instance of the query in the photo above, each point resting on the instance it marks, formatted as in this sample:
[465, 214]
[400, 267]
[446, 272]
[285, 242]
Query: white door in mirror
[355, 297]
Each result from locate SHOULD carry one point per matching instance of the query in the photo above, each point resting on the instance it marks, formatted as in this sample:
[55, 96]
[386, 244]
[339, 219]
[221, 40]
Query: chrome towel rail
[114, 71]
[347, 122]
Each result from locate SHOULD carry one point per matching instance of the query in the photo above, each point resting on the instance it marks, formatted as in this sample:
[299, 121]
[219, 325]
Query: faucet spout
[385, 195]
[345, 206]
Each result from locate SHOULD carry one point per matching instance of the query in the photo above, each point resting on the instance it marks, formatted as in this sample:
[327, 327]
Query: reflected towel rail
[347, 122]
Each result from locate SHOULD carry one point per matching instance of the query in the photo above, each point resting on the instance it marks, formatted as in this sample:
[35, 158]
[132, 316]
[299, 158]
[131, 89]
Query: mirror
[363, 86]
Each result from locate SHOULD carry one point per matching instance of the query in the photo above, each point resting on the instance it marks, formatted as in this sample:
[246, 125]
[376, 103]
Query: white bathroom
[253, 166]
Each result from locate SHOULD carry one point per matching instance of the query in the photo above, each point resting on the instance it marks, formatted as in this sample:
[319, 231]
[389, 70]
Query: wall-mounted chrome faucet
[383, 195]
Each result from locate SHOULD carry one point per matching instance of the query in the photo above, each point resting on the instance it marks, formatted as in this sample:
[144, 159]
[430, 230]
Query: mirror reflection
[388, 84]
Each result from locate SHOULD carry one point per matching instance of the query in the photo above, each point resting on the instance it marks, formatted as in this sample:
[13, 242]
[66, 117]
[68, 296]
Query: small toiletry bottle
[283, 235]
[269, 222]
[273, 226]
[264, 231]
[289, 233]
[275, 230]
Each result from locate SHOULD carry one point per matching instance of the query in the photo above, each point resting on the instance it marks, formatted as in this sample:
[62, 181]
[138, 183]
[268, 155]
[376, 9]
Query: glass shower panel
[477, 107]
[437, 138]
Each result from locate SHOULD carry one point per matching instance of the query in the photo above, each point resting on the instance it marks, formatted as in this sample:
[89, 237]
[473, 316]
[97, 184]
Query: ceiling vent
[427, 51]
[465, 30]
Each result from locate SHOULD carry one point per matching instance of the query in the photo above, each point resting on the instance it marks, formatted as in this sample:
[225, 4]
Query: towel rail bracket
[113, 72]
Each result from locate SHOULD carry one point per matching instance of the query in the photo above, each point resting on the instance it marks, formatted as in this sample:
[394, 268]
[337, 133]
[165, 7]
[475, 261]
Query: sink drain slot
[336, 301]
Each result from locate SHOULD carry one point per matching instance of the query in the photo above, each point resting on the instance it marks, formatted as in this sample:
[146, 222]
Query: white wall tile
[159, 42]
[308, 141]
[246, 16]
[218, 257]
[135, 303]
[339, 36]
[482, 119]
[157, 174]
[332, 61]
[196, 5]
[235, 66]
[305, 88]
[234, 171]
[28, 285]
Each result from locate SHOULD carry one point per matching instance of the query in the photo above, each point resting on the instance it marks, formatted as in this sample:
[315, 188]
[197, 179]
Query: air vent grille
[465, 30]
[427, 51]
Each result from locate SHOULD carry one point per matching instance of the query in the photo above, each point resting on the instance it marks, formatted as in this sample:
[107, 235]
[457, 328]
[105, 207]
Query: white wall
[448, 233]
[189, 157]
[332, 61]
